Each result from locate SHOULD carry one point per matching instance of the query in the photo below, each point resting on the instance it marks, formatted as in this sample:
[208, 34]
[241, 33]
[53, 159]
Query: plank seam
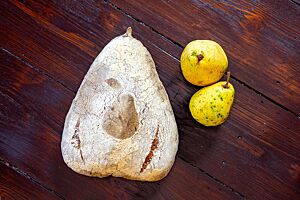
[36, 69]
[48, 76]
[295, 2]
[179, 45]
[164, 37]
[26, 175]
[215, 179]
[240, 82]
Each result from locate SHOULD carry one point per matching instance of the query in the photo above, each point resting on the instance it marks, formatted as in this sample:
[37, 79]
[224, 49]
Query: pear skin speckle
[215, 105]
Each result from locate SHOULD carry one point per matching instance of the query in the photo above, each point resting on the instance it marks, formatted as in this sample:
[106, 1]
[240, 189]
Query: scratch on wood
[251, 148]
[150, 154]
[295, 171]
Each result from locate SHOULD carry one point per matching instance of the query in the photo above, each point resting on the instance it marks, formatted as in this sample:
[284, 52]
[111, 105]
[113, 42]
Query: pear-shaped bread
[121, 121]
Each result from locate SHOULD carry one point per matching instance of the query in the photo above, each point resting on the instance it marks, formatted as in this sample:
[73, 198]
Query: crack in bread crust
[75, 140]
[150, 154]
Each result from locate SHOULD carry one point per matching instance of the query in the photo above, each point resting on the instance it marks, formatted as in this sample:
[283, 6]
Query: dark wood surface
[17, 185]
[259, 38]
[48, 46]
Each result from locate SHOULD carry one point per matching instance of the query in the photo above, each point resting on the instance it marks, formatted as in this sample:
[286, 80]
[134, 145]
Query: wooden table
[48, 46]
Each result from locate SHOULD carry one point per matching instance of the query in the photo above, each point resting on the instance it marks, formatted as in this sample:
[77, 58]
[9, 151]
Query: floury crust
[121, 121]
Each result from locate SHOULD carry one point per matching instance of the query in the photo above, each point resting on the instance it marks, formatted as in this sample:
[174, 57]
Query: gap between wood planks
[179, 45]
[41, 71]
[140, 22]
[215, 179]
[242, 196]
[36, 69]
[29, 177]
[295, 2]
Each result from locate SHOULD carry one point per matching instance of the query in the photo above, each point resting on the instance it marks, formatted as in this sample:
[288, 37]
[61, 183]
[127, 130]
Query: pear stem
[200, 57]
[227, 81]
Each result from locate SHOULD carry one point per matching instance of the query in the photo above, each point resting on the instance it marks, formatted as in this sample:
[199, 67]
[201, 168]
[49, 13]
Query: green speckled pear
[211, 105]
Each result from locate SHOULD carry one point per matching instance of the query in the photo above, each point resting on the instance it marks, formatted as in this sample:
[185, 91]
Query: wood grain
[258, 37]
[31, 141]
[257, 146]
[16, 186]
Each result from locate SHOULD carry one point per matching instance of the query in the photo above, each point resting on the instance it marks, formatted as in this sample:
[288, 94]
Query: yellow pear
[203, 62]
[211, 105]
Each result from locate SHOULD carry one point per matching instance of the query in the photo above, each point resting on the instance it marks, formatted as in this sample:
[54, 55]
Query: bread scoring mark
[151, 154]
[91, 172]
[75, 140]
[80, 151]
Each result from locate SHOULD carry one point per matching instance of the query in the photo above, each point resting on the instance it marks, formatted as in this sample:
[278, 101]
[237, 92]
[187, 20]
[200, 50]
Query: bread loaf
[121, 121]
